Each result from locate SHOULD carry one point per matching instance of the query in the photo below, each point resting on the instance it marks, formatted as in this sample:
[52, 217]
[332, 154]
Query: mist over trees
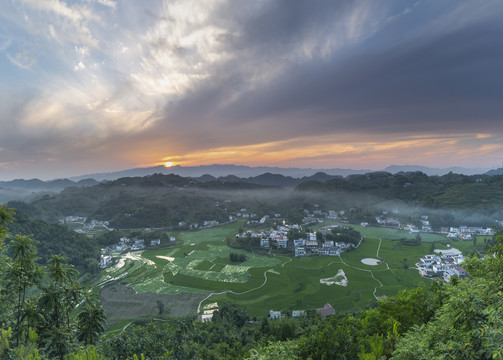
[47, 313]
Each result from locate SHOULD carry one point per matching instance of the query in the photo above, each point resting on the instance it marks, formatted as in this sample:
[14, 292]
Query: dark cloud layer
[112, 84]
[449, 81]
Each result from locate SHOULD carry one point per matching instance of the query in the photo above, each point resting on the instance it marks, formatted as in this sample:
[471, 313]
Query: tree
[45, 318]
[58, 299]
[90, 323]
[468, 323]
[6, 216]
[22, 273]
[160, 307]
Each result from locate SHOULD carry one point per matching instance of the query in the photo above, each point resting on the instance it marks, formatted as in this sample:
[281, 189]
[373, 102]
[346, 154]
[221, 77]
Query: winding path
[378, 248]
[235, 293]
[371, 274]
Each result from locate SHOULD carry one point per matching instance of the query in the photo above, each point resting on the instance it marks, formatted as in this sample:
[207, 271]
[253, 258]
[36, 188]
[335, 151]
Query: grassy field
[199, 268]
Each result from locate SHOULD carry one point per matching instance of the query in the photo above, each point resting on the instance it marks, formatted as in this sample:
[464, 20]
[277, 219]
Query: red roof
[326, 310]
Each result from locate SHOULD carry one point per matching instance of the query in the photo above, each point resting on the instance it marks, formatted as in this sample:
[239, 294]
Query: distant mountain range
[39, 185]
[247, 171]
[21, 189]
[263, 175]
[217, 171]
[495, 172]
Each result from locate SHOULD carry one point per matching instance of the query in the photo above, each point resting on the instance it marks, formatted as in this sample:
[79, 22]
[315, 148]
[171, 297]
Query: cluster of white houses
[124, 244]
[466, 232]
[309, 245]
[445, 266]
[462, 232]
[325, 311]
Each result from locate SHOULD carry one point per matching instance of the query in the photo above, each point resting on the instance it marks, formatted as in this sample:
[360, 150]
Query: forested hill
[54, 239]
[452, 191]
[151, 201]
[167, 200]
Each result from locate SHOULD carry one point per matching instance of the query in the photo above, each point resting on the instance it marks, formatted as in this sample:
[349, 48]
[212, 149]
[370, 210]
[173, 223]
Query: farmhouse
[326, 310]
[138, 245]
[282, 241]
[207, 315]
[299, 242]
[298, 313]
[275, 314]
[105, 261]
[300, 251]
[328, 244]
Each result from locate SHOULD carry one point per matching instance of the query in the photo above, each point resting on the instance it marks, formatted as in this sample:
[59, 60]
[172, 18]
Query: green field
[199, 268]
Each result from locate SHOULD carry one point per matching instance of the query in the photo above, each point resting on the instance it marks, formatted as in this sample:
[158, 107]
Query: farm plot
[339, 279]
[297, 286]
[229, 273]
[214, 234]
[123, 303]
[201, 267]
[394, 234]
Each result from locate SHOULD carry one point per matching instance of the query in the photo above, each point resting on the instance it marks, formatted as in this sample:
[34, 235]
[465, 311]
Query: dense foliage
[55, 239]
[45, 314]
[168, 200]
[39, 303]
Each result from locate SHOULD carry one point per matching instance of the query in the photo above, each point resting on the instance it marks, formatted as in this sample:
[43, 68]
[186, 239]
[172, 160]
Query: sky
[103, 85]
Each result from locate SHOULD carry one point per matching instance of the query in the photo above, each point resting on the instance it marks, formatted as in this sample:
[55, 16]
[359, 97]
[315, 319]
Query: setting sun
[168, 164]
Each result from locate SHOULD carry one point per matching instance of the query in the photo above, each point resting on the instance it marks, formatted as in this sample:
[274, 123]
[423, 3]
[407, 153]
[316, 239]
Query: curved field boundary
[371, 274]
[378, 248]
[236, 293]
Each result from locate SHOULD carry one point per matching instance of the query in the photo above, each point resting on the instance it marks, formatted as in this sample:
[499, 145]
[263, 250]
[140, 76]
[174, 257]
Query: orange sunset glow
[363, 85]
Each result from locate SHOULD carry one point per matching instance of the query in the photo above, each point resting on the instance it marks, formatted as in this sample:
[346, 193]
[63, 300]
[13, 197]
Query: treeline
[483, 193]
[46, 315]
[168, 200]
[54, 239]
[45, 312]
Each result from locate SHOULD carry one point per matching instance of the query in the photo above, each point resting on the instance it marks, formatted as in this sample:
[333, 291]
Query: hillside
[54, 239]
[480, 193]
[169, 200]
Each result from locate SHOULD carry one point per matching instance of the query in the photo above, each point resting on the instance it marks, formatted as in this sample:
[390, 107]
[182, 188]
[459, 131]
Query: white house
[299, 242]
[282, 242]
[275, 314]
[328, 244]
[105, 261]
[300, 251]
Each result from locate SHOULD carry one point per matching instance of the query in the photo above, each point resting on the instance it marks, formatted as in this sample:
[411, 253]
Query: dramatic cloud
[103, 85]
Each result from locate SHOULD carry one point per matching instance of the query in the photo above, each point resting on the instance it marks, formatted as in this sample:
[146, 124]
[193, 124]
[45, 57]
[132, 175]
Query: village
[125, 244]
[446, 265]
[330, 240]
[310, 243]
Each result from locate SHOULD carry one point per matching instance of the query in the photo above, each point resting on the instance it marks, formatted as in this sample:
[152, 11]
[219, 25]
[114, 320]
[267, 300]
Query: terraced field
[198, 272]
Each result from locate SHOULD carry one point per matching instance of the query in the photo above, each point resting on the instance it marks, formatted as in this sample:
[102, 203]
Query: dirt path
[236, 293]
[367, 270]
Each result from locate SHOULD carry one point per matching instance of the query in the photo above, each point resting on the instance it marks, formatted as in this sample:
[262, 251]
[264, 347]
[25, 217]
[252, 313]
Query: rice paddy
[199, 268]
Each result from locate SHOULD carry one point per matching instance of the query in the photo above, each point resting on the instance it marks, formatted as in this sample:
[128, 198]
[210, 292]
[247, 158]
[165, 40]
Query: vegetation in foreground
[460, 320]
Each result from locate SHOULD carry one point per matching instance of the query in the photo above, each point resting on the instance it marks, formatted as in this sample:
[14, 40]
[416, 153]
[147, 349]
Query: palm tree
[58, 299]
[90, 323]
[22, 272]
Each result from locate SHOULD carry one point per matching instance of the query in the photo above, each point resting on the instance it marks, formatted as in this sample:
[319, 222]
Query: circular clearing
[371, 261]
